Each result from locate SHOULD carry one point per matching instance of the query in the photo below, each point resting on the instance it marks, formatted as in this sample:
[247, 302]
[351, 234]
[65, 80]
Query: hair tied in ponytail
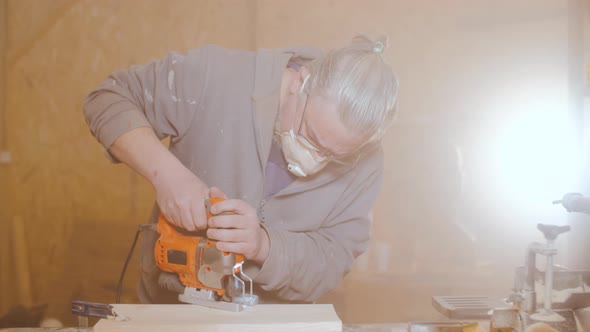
[378, 48]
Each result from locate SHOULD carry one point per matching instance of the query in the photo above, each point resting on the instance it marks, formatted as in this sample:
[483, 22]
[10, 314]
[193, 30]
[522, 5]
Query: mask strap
[303, 85]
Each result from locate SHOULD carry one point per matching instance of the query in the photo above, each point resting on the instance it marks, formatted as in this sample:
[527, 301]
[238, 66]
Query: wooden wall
[80, 212]
[437, 225]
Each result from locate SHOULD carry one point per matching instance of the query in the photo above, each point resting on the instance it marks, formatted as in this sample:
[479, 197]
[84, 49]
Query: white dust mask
[302, 161]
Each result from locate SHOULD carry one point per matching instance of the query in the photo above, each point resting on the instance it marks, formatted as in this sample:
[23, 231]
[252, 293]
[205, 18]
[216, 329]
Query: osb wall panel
[29, 20]
[80, 211]
[5, 256]
[437, 227]
[396, 281]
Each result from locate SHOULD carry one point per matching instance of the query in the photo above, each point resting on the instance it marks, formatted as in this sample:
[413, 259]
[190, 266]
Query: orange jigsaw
[207, 273]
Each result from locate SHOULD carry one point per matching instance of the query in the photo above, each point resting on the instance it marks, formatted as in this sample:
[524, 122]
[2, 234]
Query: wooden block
[186, 317]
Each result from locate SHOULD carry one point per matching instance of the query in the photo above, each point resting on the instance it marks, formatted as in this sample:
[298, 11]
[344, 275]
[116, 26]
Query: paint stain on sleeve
[170, 79]
[148, 95]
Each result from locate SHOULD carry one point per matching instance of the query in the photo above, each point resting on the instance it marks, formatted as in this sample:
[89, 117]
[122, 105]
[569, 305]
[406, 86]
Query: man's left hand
[236, 228]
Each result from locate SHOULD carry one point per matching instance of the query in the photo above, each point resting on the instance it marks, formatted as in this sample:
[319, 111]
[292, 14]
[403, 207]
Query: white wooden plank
[260, 318]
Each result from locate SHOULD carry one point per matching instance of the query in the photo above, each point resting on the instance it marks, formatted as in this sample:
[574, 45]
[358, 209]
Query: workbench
[345, 328]
[369, 327]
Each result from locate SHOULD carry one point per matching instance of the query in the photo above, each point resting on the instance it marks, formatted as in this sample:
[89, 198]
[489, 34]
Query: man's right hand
[181, 198]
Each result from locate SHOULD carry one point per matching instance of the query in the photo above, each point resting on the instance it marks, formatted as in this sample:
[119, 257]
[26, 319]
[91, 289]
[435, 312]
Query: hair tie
[378, 48]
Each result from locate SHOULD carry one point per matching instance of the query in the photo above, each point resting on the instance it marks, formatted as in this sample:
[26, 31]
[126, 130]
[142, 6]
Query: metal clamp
[85, 309]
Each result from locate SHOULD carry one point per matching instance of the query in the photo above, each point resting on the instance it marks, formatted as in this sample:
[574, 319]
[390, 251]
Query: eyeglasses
[319, 153]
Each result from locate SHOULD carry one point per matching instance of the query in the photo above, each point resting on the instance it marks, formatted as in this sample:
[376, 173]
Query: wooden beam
[5, 250]
[3, 74]
[21, 261]
[187, 317]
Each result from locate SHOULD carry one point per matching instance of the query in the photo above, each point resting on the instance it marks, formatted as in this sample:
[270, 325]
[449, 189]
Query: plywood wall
[439, 229]
[80, 211]
[5, 263]
[443, 224]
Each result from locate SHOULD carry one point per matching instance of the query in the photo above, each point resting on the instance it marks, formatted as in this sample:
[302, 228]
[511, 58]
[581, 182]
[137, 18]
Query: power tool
[210, 277]
[561, 307]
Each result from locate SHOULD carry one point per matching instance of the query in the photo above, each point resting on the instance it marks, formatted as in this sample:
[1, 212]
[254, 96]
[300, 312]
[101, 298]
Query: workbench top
[368, 327]
[345, 328]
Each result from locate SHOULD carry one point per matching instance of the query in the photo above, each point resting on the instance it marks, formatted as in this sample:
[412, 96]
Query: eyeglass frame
[321, 154]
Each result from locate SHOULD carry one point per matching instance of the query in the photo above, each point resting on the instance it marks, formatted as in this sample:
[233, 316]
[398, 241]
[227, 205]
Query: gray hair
[362, 84]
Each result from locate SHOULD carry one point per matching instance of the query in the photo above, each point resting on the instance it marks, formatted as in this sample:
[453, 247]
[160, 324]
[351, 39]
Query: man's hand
[236, 228]
[181, 198]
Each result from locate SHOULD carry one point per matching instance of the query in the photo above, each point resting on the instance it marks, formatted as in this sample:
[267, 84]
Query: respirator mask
[303, 159]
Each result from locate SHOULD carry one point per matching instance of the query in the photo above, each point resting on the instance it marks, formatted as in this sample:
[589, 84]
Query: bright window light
[536, 158]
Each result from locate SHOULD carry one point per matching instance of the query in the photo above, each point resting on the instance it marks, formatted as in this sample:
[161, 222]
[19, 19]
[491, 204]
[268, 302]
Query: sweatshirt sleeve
[303, 266]
[162, 94]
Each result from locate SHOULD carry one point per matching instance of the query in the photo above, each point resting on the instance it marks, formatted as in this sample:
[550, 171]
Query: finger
[228, 221]
[216, 192]
[199, 215]
[171, 216]
[236, 206]
[186, 218]
[228, 235]
[234, 247]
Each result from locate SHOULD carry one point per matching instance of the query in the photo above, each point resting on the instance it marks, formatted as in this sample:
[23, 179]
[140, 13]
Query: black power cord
[140, 229]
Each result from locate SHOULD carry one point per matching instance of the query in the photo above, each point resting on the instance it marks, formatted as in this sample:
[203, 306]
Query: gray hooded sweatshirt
[219, 107]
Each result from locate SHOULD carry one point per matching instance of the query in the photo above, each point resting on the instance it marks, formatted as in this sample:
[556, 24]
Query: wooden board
[263, 317]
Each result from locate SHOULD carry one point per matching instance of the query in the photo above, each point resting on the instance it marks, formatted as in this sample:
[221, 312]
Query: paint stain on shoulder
[171, 79]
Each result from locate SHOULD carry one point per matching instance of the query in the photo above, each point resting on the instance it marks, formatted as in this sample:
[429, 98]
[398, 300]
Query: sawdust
[558, 296]
[540, 327]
